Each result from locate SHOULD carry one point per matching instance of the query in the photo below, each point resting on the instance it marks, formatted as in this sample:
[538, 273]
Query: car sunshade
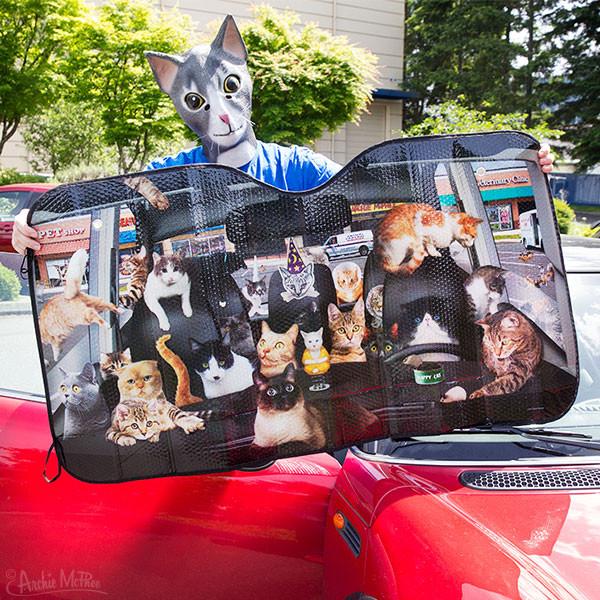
[193, 319]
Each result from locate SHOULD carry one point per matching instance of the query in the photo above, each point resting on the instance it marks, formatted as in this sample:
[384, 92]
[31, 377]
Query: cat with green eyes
[347, 333]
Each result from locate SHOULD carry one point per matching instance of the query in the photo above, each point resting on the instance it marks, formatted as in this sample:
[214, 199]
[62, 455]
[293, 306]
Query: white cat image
[168, 278]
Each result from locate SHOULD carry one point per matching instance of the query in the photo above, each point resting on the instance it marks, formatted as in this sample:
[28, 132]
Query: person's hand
[23, 235]
[546, 158]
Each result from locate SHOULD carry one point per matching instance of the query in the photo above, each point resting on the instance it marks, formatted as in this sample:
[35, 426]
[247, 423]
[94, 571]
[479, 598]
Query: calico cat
[168, 278]
[298, 285]
[143, 411]
[112, 362]
[348, 282]
[256, 292]
[135, 265]
[85, 409]
[347, 332]
[485, 287]
[183, 395]
[276, 350]
[430, 321]
[148, 190]
[212, 92]
[236, 332]
[411, 232]
[60, 315]
[222, 371]
[512, 351]
[283, 415]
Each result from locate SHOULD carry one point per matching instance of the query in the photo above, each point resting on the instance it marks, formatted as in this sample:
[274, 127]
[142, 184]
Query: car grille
[559, 479]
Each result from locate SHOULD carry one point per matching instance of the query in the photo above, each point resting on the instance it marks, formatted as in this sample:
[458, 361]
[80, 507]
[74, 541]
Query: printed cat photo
[255, 291]
[428, 321]
[512, 351]
[168, 278]
[112, 362]
[143, 412]
[148, 190]
[237, 333]
[347, 332]
[63, 313]
[374, 306]
[347, 278]
[183, 395]
[411, 232]
[221, 370]
[298, 285]
[283, 416]
[276, 350]
[485, 288]
[85, 409]
[134, 265]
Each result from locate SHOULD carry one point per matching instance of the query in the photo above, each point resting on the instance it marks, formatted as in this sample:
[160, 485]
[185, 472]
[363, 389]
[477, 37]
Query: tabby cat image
[112, 362]
[347, 332]
[137, 267]
[143, 411]
[411, 232]
[348, 282]
[512, 351]
[143, 186]
[276, 350]
[283, 416]
[183, 395]
[60, 315]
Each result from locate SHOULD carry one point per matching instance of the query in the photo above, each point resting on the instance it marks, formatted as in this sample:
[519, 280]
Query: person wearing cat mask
[212, 91]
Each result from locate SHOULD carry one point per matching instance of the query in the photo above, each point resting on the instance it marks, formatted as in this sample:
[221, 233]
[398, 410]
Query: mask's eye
[289, 387]
[271, 392]
[76, 389]
[134, 426]
[388, 348]
[356, 328]
[342, 330]
[131, 381]
[147, 377]
[205, 365]
[194, 101]
[279, 345]
[231, 84]
[63, 388]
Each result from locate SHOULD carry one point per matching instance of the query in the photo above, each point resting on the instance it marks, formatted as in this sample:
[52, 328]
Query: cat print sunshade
[195, 320]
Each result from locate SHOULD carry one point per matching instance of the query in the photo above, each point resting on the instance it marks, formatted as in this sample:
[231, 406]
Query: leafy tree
[459, 47]
[455, 117]
[306, 81]
[565, 215]
[8, 176]
[10, 286]
[66, 134]
[576, 87]
[110, 71]
[33, 37]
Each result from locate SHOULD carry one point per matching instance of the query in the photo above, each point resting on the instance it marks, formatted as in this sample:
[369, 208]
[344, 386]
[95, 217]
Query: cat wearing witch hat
[298, 279]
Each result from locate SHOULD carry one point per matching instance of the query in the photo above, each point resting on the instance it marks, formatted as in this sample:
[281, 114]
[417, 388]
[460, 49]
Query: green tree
[455, 117]
[306, 81]
[33, 37]
[10, 287]
[66, 134]
[575, 88]
[459, 47]
[110, 71]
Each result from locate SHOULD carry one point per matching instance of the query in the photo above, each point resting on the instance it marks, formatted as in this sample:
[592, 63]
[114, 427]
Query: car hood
[485, 544]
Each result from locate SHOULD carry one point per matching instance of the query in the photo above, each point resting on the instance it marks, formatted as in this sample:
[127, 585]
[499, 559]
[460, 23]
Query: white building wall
[378, 26]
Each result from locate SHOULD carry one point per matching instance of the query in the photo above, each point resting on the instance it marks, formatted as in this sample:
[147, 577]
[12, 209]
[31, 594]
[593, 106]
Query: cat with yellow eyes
[276, 350]
[347, 332]
[143, 412]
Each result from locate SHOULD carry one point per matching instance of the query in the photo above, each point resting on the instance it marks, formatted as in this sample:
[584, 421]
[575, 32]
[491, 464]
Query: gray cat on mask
[212, 91]
[85, 410]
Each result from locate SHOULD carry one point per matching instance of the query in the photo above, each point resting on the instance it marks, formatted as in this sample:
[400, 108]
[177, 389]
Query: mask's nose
[225, 118]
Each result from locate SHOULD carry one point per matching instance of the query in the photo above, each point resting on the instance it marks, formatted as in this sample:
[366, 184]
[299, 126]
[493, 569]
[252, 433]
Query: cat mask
[212, 91]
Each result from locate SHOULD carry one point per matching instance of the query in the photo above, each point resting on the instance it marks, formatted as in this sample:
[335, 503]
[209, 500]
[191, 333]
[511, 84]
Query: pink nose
[224, 118]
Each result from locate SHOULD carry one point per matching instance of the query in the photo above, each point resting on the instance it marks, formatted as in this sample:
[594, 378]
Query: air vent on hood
[531, 479]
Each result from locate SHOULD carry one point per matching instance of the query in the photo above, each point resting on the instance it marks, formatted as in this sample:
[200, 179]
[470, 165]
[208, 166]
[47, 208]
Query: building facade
[377, 26]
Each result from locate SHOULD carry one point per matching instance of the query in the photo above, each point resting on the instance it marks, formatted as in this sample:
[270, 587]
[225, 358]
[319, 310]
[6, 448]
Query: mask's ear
[164, 67]
[229, 40]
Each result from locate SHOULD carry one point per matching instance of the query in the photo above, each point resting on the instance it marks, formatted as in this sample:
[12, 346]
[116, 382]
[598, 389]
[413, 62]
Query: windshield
[11, 203]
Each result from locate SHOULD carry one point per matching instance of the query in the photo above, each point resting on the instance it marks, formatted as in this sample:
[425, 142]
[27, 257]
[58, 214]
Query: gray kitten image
[212, 91]
[298, 285]
[85, 409]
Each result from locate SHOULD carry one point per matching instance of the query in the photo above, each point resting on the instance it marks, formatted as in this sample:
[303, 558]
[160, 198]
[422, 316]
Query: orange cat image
[60, 315]
[411, 232]
[276, 350]
[348, 282]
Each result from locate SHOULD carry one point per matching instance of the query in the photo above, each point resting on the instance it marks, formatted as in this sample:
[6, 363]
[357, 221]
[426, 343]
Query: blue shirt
[293, 168]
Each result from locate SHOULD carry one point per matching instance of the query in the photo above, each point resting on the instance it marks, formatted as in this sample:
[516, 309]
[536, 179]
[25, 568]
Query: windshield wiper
[569, 438]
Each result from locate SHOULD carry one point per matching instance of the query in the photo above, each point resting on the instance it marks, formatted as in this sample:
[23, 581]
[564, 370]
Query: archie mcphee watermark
[20, 582]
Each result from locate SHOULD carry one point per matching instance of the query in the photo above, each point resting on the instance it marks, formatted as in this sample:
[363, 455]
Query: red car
[473, 515]
[14, 198]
